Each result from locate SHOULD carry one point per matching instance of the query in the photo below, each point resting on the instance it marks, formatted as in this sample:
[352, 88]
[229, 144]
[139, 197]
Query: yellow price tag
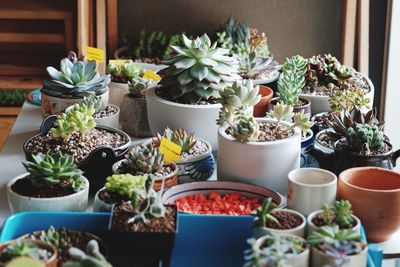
[93, 53]
[150, 75]
[118, 62]
[170, 150]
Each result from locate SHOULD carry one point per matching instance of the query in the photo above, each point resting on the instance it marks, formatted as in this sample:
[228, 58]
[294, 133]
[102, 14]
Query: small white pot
[319, 259]
[99, 205]
[297, 231]
[117, 92]
[261, 163]
[200, 119]
[111, 121]
[52, 105]
[74, 202]
[311, 227]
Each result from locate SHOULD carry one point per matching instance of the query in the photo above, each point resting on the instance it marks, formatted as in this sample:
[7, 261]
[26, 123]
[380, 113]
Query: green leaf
[185, 63]
[199, 72]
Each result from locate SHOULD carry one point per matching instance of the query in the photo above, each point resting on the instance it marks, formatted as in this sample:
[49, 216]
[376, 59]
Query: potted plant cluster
[269, 219]
[148, 160]
[53, 182]
[69, 85]
[134, 119]
[269, 148]
[188, 97]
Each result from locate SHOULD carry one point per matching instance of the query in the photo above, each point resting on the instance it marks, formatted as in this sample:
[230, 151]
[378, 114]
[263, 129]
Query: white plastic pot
[261, 163]
[74, 202]
[319, 259]
[117, 92]
[200, 119]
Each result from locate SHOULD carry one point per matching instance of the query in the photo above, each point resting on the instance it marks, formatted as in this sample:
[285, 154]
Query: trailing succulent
[145, 159]
[198, 70]
[22, 248]
[124, 184]
[49, 170]
[348, 99]
[75, 78]
[263, 213]
[138, 86]
[91, 258]
[364, 138]
[179, 136]
[125, 72]
[339, 213]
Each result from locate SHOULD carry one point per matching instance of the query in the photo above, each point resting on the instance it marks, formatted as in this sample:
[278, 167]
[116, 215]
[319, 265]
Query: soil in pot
[208, 101]
[287, 220]
[319, 222]
[164, 171]
[24, 187]
[322, 121]
[342, 146]
[107, 112]
[325, 140]
[268, 132]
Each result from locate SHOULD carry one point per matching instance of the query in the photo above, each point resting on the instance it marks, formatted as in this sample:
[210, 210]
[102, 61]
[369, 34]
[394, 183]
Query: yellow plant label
[170, 150]
[118, 62]
[93, 53]
[150, 75]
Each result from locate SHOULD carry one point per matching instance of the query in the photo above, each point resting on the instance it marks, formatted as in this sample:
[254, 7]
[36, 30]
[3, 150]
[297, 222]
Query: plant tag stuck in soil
[170, 150]
[93, 53]
[150, 75]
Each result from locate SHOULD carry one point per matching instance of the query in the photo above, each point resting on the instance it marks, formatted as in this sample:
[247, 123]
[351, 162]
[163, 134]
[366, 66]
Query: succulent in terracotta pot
[91, 257]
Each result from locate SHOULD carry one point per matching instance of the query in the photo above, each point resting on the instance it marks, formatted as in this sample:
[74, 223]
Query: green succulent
[124, 184]
[245, 129]
[291, 81]
[325, 69]
[174, 40]
[199, 70]
[251, 66]
[58, 238]
[95, 101]
[138, 86]
[364, 138]
[301, 121]
[151, 44]
[327, 215]
[12, 98]
[235, 37]
[21, 248]
[332, 234]
[63, 127]
[92, 257]
[263, 214]
[145, 159]
[348, 99]
[258, 43]
[180, 137]
[125, 72]
[75, 79]
[283, 112]
[48, 170]
[340, 213]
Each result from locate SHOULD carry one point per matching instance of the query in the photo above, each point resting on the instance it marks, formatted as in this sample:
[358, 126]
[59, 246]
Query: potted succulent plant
[28, 249]
[268, 148]
[53, 182]
[68, 86]
[326, 75]
[120, 76]
[269, 219]
[189, 89]
[196, 162]
[277, 250]
[339, 213]
[332, 246]
[148, 160]
[91, 257]
[118, 188]
[134, 119]
[291, 82]
[144, 227]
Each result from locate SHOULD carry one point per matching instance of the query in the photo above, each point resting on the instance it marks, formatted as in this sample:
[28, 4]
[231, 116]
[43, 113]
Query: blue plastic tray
[202, 240]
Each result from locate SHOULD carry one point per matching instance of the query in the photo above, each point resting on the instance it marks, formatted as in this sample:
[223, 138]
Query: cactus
[56, 169]
[75, 79]
[179, 136]
[92, 257]
[138, 86]
[145, 159]
[124, 184]
[364, 138]
[263, 214]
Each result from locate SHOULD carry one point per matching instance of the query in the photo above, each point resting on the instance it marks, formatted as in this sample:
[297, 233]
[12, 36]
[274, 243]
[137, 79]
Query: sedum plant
[75, 78]
[145, 159]
[91, 258]
[339, 213]
[364, 138]
[263, 214]
[325, 69]
[199, 70]
[124, 184]
[48, 170]
[179, 136]
[348, 100]
[138, 87]
[125, 72]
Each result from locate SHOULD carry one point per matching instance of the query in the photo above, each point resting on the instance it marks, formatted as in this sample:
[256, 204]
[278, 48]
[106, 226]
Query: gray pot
[133, 117]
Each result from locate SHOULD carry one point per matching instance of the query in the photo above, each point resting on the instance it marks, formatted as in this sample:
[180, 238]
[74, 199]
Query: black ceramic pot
[325, 156]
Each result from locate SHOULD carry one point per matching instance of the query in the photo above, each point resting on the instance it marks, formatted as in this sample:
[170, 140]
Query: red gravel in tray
[215, 203]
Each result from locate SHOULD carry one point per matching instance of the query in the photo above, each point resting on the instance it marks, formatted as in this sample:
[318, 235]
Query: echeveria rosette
[75, 79]
[199, 70]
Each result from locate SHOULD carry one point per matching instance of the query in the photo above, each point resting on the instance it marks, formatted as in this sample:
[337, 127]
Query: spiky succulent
[325, 69]
[263, 214]
[245, 128]
[145, 159]
[138, 86]
[291, 81]
[125, 72]
[92, 257]
[331, 234]
[179, 136]
[252, 67]
[49, 170]
[21, 248]
[348, 99]
[124, 184]
[95, 101]
[339, 213]
[199, 70]
[364, 138]
[75, 79]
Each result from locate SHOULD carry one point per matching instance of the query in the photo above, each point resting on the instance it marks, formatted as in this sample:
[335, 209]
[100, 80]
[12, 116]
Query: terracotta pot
[52, 262]
[374, 194]
[306, 108]
[260, 109]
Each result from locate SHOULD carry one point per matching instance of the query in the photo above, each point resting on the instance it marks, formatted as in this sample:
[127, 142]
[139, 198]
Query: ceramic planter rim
[109, 104]
[290, 174]
[59, 97]
[351, 153]
[309, 137]
[315, 213]
[21, 176]
[300, 98]
[261, 240]
[222, 133]
[321, 132]
[345, 172]
[301, 226]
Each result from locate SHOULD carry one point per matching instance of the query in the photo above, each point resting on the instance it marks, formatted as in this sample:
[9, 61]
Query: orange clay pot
[260, 109]
[374, 194]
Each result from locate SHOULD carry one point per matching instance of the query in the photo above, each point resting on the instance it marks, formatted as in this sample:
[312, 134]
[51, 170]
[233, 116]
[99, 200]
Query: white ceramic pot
[52, 105]
[99, 205]
[74, 202]
[200, 119]
[319, 259]
[297, 231]
[117, 92]
[320, 103]
[111, 121]
[261, 163]
[310, 188]
[311, 227]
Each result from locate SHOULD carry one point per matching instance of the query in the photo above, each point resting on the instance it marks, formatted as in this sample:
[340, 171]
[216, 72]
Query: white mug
[310, 188]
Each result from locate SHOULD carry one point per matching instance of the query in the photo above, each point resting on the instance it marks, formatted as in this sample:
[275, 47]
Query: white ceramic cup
[310, 188]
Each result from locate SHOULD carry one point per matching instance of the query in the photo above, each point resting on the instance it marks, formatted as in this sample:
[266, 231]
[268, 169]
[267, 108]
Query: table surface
[27, 125]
